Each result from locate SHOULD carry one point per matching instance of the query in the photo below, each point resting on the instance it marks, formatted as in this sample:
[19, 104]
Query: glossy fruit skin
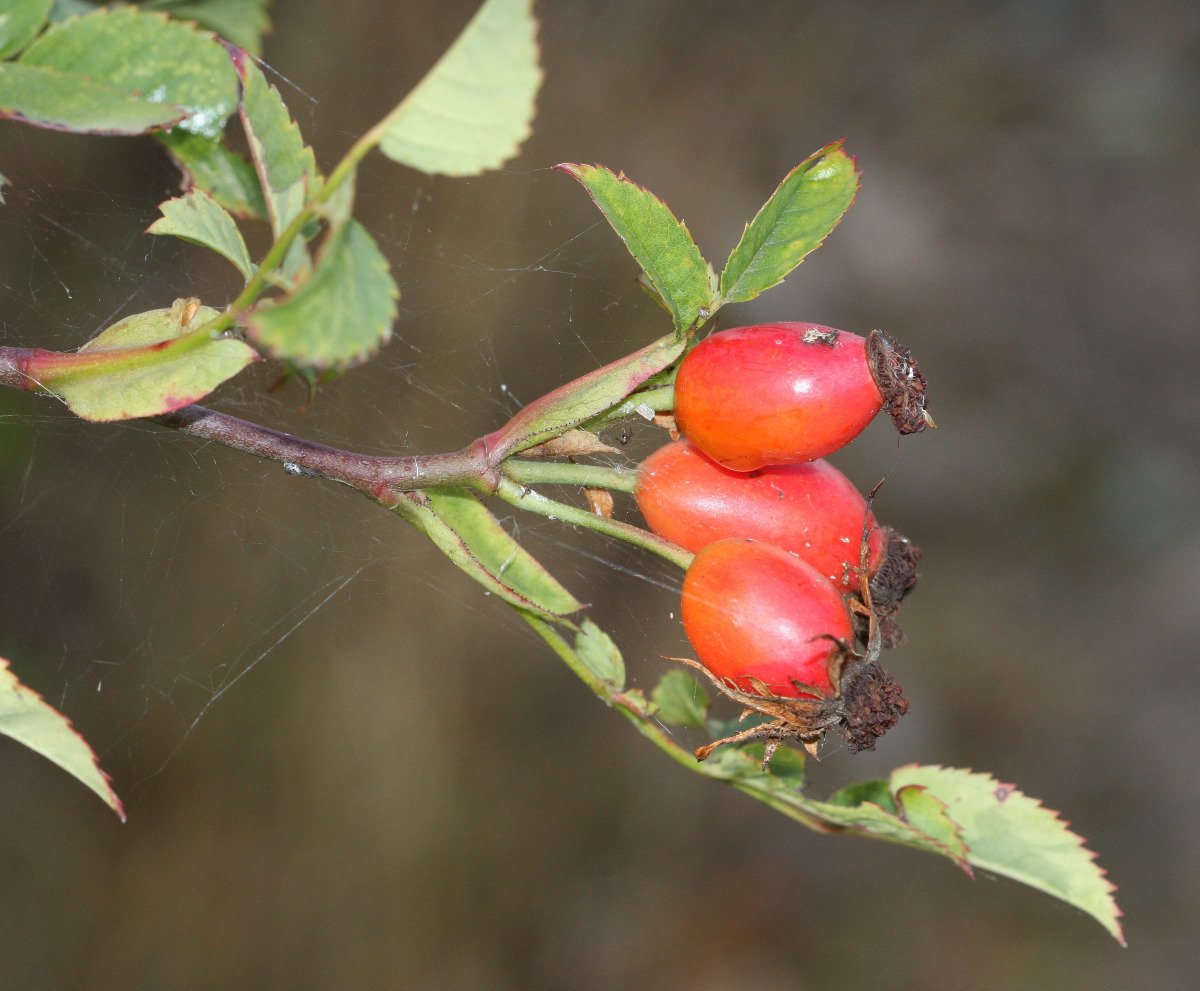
[752, 610]
[810, 509]
[749, 397]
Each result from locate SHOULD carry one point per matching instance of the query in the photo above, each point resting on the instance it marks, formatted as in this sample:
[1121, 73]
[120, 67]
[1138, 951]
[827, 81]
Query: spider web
[151, 576]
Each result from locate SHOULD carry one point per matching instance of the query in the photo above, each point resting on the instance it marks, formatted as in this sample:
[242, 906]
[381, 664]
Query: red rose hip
[752, 610]
[810, 509]
[782, 393]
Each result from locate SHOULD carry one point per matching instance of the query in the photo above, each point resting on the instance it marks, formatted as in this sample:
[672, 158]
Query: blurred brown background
[347, 768]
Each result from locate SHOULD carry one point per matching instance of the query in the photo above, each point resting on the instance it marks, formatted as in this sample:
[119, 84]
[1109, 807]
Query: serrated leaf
[924, 811]
[224, 174]
[473, 539]
[584, 398]
[600, 655]
[198, 218]
[242, 22]
[58, 100]
[142, 365]
[30, 721]
[287, 170]
[681, 699]
[474, 108]
[658, 241]
[880, 823]
[341, 313]
[800, 214]
[20, 21]
[144, 55]
[1008, 833]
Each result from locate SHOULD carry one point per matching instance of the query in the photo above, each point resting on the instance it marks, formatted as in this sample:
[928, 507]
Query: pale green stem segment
[586, 476]
[518, 495]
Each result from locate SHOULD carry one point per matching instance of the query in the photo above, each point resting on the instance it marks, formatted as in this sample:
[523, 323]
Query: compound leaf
[27, 719]
[658, 241]
[800, 214]
[474, 108]
[198, 218]
[143, 56]
[341, 313]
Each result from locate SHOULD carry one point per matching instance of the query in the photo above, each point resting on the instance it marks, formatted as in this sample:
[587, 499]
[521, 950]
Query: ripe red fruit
[781, 393]
[752, 610]
[810, 509]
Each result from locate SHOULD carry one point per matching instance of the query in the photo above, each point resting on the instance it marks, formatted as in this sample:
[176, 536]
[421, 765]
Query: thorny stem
[378, 477]
[382, 478]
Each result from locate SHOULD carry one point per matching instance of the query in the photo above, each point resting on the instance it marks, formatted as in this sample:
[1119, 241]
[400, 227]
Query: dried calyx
[868, 703]
[900, 383]
[895, 577]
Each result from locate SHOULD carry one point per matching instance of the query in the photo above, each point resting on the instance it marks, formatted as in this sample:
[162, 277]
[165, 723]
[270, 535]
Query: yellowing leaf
[474, 108]
[144, 365]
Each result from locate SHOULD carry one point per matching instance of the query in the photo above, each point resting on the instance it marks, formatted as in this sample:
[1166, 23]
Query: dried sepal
[570, 444]
[866, 704]
[599, 501]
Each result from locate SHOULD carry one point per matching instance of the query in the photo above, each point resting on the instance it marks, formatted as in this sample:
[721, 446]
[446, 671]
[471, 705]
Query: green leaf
[144, 365]
[242, 22]
[27, 719]
[61, 101]
[474, 108]
[63, 9]
[287, 170]
[579, 401]
[658, 241]
[1008, 833]
[20, 20]
[198, 218]
[225, 175]
[341, 313]
[473, 539]
[800, 214]
[144, 55]
[924, 811]
[600, 655]
[681, 699]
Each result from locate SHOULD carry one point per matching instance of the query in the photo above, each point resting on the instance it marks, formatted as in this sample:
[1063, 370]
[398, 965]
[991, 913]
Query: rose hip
[810, 509]
[782, 393]
[755, 612]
